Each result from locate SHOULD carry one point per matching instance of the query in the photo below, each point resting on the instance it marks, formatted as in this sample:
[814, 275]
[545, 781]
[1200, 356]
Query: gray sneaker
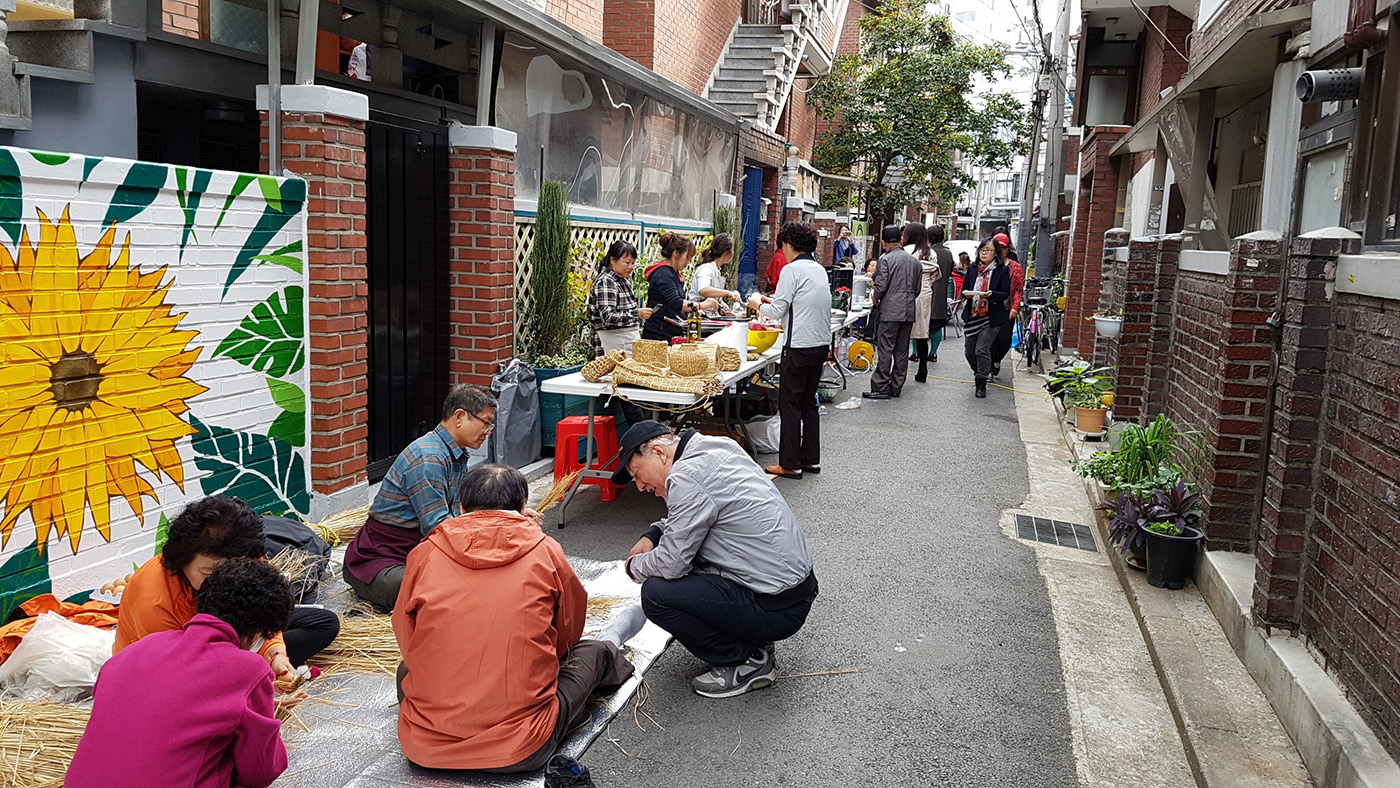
[725, 682]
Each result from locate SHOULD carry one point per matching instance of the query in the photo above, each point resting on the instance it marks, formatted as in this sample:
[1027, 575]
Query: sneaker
[756, 672]
[771, 651]
[565, 772]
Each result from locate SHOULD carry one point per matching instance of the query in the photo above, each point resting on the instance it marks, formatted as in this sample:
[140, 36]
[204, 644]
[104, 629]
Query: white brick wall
[47, 470]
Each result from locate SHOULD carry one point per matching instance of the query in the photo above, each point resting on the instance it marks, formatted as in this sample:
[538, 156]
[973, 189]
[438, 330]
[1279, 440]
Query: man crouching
[728, 571]
[488, 611]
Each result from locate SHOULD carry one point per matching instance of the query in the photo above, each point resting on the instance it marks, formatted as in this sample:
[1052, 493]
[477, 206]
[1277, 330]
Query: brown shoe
[778, 470]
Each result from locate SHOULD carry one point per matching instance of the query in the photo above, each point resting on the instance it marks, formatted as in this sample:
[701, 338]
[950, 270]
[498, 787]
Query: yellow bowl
[762, 340]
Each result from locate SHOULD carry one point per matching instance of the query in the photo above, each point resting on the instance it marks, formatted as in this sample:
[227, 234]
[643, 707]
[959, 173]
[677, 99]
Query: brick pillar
[1250, 298]
[1097, 213]
[323, 141]
[1295, 441]
[482, 215]
[1112, 277]
[1159, 356]
[1144, 347]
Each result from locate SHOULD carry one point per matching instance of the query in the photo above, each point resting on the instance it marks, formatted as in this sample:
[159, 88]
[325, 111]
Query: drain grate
[1056, 532]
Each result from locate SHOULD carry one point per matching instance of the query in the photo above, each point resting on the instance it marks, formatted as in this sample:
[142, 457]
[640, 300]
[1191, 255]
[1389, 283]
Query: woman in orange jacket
[161, 595]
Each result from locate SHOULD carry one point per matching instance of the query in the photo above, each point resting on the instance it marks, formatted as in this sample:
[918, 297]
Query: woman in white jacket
[708, 279]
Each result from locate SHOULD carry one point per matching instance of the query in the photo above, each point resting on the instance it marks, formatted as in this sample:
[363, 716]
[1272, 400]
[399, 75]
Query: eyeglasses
[490, 423]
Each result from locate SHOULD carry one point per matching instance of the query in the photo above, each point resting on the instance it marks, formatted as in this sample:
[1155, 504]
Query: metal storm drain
[1056, 532]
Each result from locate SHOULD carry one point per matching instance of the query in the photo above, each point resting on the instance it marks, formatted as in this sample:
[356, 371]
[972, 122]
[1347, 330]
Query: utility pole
[1023, 230]
[1054, 152]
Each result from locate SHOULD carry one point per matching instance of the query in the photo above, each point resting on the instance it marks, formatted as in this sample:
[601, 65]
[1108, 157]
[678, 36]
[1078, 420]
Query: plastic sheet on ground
[850, 404]
[354, 733]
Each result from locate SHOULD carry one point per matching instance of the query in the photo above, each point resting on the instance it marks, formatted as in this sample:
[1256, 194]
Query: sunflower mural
[153, 349]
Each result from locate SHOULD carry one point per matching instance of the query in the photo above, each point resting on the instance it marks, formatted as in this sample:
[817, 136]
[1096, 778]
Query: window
[1373, 188]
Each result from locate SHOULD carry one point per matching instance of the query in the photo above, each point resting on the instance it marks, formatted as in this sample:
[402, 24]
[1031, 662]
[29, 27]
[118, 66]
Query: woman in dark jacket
[666, 291]
[986, 291]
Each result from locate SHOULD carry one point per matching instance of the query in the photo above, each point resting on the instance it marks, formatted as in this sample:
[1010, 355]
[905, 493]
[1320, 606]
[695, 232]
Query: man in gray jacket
[898, 279]
[728, 571]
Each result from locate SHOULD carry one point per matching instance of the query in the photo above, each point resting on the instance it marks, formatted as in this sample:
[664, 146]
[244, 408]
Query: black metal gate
[408, 284]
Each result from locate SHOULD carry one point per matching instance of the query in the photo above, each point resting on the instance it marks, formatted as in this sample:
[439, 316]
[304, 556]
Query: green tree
[902, 111]
[548, 327]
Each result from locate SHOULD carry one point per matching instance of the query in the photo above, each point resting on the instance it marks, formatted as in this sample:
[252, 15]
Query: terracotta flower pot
[1089, 420]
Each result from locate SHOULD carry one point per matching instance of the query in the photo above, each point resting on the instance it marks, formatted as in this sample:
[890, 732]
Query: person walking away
[803, 303]
[728, 571]
[490, 619]
[1002, 346]
[894, 295]
[932, 307]
[708, 279]
[986, 291]
[419, 492]
[614, 311]
[666, 290]
[193, 706]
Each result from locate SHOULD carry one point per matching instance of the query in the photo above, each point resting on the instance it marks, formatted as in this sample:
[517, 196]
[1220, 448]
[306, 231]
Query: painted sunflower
[91, 382]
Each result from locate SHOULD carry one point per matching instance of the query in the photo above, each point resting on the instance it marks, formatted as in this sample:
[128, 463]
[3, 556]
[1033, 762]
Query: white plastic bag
[57, 660]
[765, 433]
[850, 404]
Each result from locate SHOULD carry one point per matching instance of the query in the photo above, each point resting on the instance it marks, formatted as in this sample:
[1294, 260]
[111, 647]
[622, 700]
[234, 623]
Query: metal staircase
[57, 49]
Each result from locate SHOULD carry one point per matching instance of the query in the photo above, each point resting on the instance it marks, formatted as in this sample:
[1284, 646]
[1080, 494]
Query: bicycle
[1039, 322]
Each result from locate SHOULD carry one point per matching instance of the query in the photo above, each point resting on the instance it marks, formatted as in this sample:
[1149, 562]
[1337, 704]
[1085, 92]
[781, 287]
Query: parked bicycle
[1040, 321]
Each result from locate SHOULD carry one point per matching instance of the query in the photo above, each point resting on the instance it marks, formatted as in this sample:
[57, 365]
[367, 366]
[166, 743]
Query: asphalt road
[961, 681]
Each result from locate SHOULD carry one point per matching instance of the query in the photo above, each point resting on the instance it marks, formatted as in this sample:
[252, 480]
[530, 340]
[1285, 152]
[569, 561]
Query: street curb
[1336, 746]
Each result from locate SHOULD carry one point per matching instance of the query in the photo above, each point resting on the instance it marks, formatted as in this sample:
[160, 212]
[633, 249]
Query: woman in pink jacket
[193, 707]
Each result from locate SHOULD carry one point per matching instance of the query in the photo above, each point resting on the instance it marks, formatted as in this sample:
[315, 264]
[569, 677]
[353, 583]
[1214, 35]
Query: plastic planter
[1171, 559]
[1108, 327]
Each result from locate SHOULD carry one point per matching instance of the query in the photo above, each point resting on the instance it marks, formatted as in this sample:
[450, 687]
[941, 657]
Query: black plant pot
[1171, 559]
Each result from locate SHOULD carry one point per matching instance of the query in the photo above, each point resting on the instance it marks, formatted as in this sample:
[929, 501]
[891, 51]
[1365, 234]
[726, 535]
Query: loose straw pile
[340, 528]
[293, 563]
[557, 492]
[365, 644]
[37, 741]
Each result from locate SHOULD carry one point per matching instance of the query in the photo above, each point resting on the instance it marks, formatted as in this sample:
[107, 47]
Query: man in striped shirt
[420, 491]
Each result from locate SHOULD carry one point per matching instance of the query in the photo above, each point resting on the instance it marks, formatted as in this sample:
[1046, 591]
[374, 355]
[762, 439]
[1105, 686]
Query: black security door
[408, 281]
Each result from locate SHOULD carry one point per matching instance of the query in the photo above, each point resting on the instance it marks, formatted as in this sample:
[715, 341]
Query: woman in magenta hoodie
[193, 707]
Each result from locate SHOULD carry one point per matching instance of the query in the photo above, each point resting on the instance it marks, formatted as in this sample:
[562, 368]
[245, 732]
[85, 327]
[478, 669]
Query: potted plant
[1059, 378]
[1086, 397]
[1108, 324]
[1127, 517]
[551, 338]
[1171, 535]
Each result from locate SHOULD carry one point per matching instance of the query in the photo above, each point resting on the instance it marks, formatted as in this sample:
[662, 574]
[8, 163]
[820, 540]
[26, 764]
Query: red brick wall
[329, 152]
[629, 30]
[482, 288]
[798, 124]
[1163, 63]
[681, 40]
[1097, 213]
[585, 16]
[180, 17]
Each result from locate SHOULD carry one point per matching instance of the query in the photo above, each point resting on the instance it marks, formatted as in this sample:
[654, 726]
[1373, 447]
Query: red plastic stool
[574, 429]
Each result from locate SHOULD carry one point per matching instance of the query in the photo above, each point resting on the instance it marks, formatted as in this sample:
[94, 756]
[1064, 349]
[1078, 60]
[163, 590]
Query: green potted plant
[1086, 397]
[1059, 378]
[1171, 535]
[552, 342]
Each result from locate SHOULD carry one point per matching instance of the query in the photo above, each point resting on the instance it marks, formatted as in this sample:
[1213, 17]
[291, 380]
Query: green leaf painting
[11, 196]
[189, 200]
[162, 533]
[239, 185]
[269, 474]
[284, 257]
[271, 192]
[139, 189]
[270, 338]
[290, 424]
[23, 577]
[90, 164]
[51, 159]
[274, 218]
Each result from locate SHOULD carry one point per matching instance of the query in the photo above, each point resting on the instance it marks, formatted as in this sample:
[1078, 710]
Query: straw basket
[594, 370]
[653, 352]
[728, 359]
[631, 373]
[688, 362]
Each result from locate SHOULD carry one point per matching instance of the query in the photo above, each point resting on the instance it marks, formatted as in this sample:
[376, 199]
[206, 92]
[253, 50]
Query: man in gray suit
[898, 279]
